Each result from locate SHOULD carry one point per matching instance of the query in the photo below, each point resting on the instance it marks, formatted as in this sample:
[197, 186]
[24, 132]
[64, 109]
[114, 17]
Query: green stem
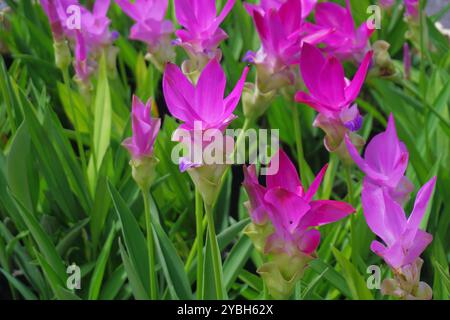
[192, 253]
[150, 246]
[75, 121]
[348, 179]
[215, 253]
[330, 175]
[350, 199]
[199, 226]
[299, 146]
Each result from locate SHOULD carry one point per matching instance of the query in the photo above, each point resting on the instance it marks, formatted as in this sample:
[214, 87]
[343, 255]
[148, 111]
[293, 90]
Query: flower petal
[209, 92]
[179, 94]
[286, 177]
[421, 204]
[352, 91]
[326, 211]
[315, 184]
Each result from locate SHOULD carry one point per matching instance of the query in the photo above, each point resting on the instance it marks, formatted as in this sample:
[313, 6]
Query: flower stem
[299, 146]
[215, 253]
[199, 226]
[193, 251]
[150, 246]
[348, 178]
[350, 199]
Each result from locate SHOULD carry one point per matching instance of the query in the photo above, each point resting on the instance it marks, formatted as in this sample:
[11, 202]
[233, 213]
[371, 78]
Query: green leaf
[56, 283]
[236, 260]
[97, 276]
[133, 237]
[139, 292]
[24, 290]
[102, 122]
[20, 182]
[171, 263]
[355, 281]
[44, 243]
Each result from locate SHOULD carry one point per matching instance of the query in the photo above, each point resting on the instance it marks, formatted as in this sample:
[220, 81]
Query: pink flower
[265, 5]
[82, 70]
[203, 102]
[145, 130]
[282, 31]
[150, 26]
[94, 26]
[412, 8]
[403, 240]
[201, 34]
[347, 42]
[291, 209]
[385, 162]
[329, 91]
[89, 32]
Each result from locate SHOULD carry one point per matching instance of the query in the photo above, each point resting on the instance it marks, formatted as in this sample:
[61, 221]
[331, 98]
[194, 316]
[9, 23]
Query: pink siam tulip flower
[201, 35]
[203, 102]
[150, 26]
[403, 240]
[329, 91]
[385, 163]
[284, 217]
[282, 32]
[332, 95]
[140, 144]
[89, 33]
[291, 209]
[203, 109]
[145, 130]
[294, 213]
[347, 42]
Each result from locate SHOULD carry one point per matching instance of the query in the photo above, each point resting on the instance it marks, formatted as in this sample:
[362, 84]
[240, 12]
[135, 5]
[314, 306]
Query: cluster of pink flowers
[88, 31]
[386, 190]
[285, 215]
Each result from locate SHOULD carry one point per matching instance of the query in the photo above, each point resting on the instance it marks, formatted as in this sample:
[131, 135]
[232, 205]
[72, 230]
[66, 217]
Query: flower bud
[384, 66]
